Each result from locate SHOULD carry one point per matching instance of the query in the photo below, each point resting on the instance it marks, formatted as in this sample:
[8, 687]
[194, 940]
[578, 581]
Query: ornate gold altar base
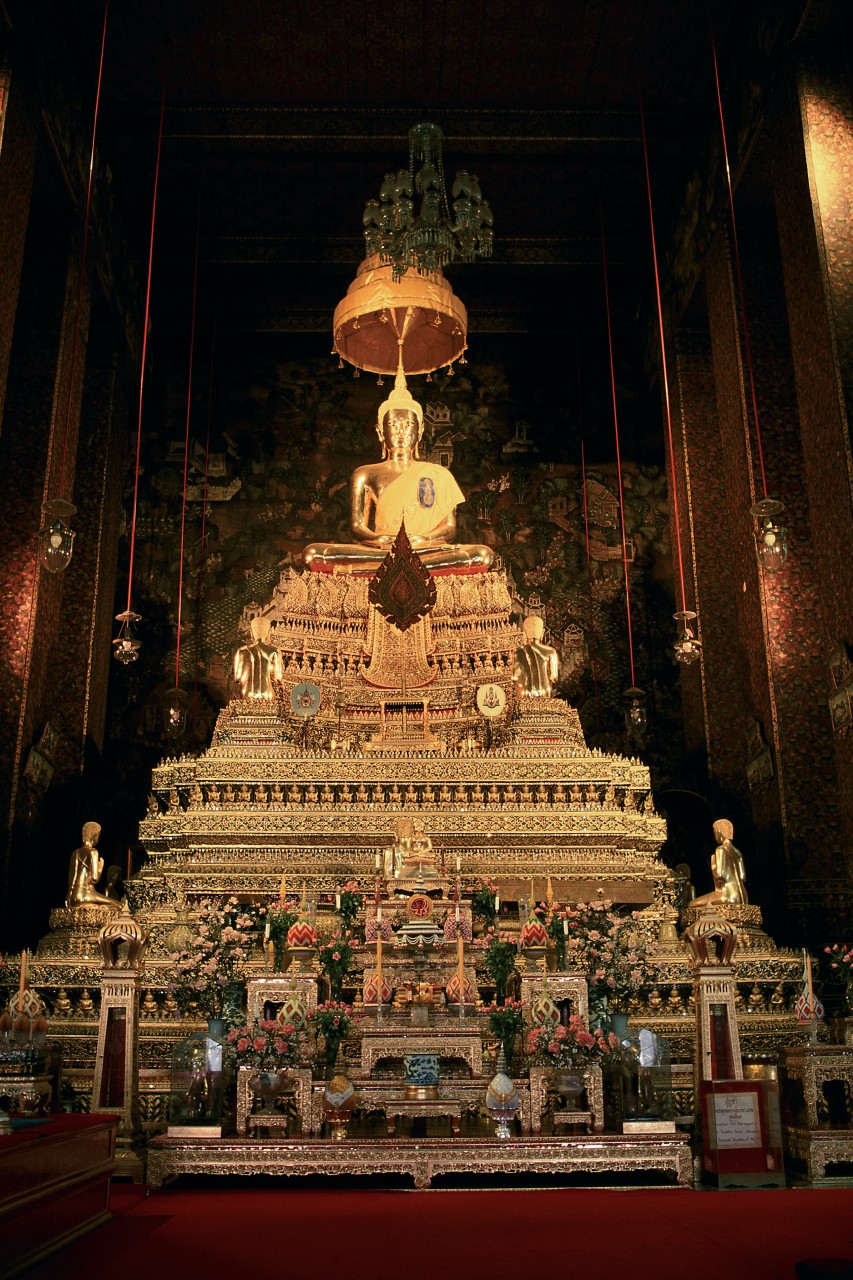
[423, 1159]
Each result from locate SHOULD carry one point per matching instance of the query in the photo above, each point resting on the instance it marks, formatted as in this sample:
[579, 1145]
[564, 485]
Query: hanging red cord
[82, 280]
[618, 452]
[664, 375]
[187, 449]
[203, 516]
[145, 349]
[739, 273]
[592, 632]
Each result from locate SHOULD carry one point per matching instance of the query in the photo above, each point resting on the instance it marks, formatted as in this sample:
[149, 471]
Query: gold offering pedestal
[818, 1122]
[424, 1159]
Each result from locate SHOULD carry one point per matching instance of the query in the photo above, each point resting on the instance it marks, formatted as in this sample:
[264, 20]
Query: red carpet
[394, 1235]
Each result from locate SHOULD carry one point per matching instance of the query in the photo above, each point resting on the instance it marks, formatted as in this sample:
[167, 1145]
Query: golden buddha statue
[411, 857]
[400, 488]
[537, 665]
[727, 869]
[256, 665]
[84, 872]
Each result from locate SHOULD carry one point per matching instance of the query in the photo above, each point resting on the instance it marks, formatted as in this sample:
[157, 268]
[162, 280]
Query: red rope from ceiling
[592, 632]
[145, 349]
[203, 517]
[187, 449]
[82, 280]
[739, 273]
[618, 450]
[664, 374]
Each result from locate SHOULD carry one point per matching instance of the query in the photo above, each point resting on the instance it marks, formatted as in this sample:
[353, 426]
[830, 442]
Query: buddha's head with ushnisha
[400, 420]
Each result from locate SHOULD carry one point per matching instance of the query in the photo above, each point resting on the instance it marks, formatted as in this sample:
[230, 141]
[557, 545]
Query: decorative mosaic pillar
[813, 189]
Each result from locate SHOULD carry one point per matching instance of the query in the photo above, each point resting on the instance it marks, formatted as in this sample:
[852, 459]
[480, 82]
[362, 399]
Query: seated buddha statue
[400, 488]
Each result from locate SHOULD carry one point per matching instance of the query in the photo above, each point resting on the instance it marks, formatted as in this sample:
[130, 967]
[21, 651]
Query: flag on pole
[808, 1008]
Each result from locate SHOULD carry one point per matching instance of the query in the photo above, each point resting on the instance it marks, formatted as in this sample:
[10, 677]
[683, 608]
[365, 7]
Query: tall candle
[337, 899]
[460, 964]
[497, 903]
[565, 928]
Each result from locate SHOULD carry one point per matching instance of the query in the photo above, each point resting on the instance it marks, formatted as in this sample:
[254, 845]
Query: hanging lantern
[126, 646]
[687, 648]
[636, 720]
[175, 707]
[771, 537]
[56, 537]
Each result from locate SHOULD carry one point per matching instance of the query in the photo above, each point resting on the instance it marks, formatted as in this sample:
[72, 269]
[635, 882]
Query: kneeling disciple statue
[537, 665]
[400, 488]
[257, 665]
[727, 869]
[84, 872]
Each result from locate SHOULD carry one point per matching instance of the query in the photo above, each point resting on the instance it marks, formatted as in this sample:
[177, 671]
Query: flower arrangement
[264, 1044]
[841, 964]
[215, 960]
[332, 1021]
[348, 903]
[610, 948]
[506, 1019]
[336, 958]
[570, 1046]
[483, 901]
[280, 915]
[499, 959]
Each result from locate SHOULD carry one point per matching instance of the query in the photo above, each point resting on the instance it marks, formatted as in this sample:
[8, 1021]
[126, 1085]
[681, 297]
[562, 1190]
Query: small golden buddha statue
[411, 856]
[541, 794]
[537, 665]
[228, 794]
[525, 796]
[256, 665]
[411, 796]
[311, 795]
[559, 794]
[727, 869]
[510, 797]
[395, 795]
[477, 794]
[276, 795]
[293, 794]
[576, 795]
[361, 795]
[400, 488]
[84, 872]
[429, 794]
[461, 795]
[494, 795]
[244, 795]
[327, 796]
[444, 795]
[346, 794]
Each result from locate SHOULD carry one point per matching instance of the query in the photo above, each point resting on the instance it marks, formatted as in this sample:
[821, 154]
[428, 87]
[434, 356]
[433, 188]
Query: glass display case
[645, 1078]
[195, 1099]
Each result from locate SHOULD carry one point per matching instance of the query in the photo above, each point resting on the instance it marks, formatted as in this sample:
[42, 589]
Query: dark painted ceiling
[283, 115]
[286, 114]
